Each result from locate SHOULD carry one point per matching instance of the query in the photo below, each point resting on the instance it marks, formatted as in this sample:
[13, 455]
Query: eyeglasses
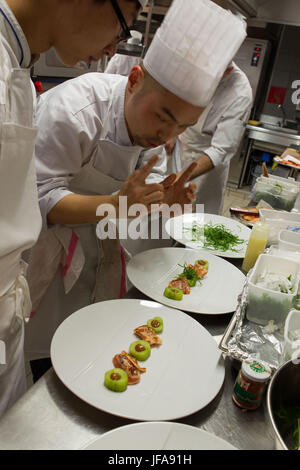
[125, 34]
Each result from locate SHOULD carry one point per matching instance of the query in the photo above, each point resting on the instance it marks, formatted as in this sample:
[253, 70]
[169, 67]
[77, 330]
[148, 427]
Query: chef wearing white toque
[94, 131]
[192, 49]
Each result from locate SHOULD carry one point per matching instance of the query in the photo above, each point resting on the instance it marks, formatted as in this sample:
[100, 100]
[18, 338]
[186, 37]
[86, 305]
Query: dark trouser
[39, 367]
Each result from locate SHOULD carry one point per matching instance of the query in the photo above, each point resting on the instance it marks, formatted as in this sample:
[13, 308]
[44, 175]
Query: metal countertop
[49, 416]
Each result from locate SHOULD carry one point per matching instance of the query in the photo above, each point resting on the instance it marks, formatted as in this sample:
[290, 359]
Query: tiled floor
[233, 198]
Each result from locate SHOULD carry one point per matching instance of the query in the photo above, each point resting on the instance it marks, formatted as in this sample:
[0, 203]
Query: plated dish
[216, 293]
[215, 234]
[159, 436]
[84, 345]
[291, 162]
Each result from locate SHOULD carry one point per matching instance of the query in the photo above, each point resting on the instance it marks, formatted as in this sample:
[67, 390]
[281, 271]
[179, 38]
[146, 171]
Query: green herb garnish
[215, 237]
[190, 274]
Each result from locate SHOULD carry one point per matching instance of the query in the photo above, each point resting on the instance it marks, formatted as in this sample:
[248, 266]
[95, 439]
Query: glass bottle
[256, 245]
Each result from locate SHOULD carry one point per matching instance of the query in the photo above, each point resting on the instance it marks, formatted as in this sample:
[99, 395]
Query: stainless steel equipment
[252, 58]
[283, 397]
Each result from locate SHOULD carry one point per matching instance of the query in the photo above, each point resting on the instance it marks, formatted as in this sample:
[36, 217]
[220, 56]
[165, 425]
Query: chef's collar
[118, 114]
[15, 36]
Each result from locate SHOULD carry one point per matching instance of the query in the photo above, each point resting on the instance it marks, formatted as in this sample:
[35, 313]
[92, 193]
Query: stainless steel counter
[267, 140]
[273, 136]
[49, 416]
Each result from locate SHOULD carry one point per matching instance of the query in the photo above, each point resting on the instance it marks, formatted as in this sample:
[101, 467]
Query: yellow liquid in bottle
[256, 245]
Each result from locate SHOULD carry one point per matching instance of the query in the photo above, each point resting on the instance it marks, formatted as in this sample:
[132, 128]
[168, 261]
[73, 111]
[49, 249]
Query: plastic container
[256, 245]
[279, 220]
[282, 179]
[288, 240]
[265, 304]
[250, 384]
[256, 172]
[291, 348]
[279, 193]
[293, 255]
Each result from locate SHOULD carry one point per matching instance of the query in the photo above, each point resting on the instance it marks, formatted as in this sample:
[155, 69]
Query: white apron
[211, 186]
[18, 205]
[81, 268]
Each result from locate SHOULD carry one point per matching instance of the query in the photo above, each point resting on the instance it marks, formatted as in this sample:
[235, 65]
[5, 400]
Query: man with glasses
[98, 134]
[79, 30]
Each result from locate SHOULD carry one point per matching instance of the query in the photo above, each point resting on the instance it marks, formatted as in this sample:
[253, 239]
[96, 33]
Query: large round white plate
[183, 374]
[159, 436]
[152, 270]
[176, 226]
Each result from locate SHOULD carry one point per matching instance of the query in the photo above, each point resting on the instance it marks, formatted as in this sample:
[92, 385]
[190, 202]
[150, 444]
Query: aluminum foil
[247, 340]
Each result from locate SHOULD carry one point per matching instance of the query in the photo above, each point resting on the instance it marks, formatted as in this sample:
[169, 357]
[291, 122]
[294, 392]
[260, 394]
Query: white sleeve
[60, 150]
[113, 65]
[229, 131]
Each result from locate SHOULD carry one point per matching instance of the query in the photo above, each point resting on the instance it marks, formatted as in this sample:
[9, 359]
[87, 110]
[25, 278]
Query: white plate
[159, 436]
[183, 374]
[175, 229]
[151, 271]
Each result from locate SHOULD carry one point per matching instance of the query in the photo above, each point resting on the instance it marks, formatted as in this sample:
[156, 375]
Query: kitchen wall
[278, 11]
[286, 69]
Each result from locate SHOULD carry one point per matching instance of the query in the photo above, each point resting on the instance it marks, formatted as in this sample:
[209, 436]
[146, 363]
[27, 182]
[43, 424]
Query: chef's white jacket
[20, 220]
[75, 112]
[81, 147]
[122, 64]
[219, 137]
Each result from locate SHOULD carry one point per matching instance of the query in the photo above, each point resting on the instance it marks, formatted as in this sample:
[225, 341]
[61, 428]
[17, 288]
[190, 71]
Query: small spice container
[250, 384]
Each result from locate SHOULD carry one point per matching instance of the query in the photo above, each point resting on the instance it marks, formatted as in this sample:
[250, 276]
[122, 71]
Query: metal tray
[244, 339]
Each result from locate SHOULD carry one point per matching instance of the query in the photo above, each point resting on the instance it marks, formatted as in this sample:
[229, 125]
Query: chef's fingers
[151, 188]
[190, 196]
[146, 170]
[153, 198]
[186, 175]
[169, 181]
[190, 192]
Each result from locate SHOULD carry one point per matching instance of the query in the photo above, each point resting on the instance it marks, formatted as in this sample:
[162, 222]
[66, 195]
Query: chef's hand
[138, 192]
[175, 191]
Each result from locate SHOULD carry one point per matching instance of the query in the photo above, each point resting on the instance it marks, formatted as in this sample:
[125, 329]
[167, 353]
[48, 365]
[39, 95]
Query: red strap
[71, 251]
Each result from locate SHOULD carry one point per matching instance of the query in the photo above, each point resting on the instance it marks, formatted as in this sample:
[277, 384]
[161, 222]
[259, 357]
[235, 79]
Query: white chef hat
[192, 49]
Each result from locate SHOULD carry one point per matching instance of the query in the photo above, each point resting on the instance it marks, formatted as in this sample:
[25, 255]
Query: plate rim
[221, 362]
[160, 423]
[174, 306]
[226, 254]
